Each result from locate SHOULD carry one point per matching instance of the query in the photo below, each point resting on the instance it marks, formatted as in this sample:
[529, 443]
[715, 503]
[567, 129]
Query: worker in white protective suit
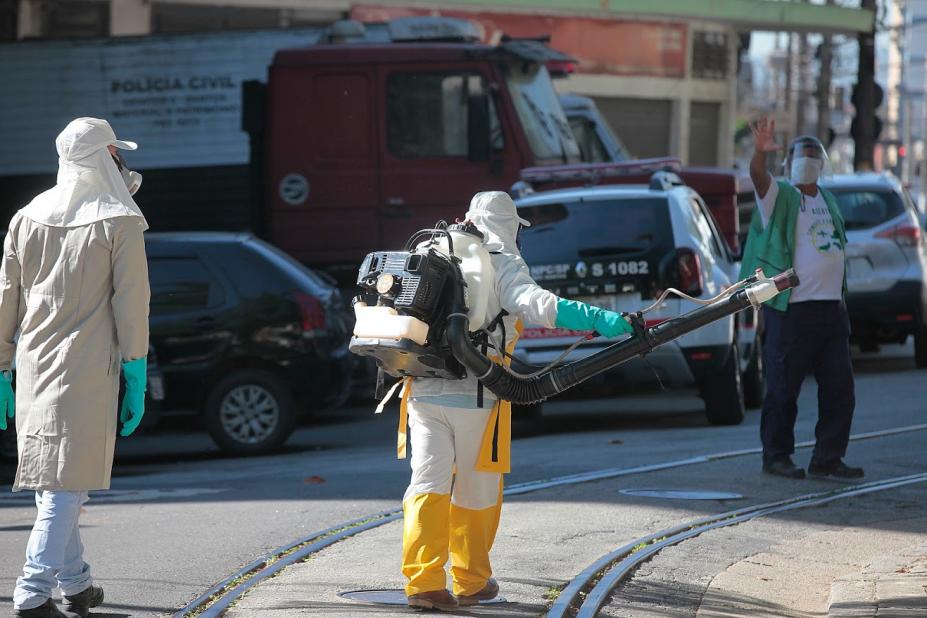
[74, 284]
[460, 436]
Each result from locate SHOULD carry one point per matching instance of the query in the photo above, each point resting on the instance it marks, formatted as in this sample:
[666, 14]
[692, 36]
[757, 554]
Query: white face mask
[805, 170]
[132, 179]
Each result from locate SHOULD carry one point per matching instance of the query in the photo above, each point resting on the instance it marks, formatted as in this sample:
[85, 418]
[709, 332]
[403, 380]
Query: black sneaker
[783, 466]
[79, 604]
[835, 470]
[48, 609]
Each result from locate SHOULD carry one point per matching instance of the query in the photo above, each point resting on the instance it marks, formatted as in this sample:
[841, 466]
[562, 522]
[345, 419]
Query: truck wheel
[920, 347]
[249, 412]
[753, 378]
[723, 393]
[527, 412]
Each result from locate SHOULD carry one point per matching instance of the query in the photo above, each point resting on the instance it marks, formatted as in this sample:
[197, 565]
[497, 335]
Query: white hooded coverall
[74, 283]
[459, 451]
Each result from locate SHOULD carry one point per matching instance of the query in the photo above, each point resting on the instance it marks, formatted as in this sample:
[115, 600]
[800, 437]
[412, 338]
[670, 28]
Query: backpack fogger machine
[423, 312]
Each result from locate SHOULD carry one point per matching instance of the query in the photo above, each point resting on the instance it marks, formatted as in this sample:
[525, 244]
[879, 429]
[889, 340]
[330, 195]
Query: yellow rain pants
[451, 509]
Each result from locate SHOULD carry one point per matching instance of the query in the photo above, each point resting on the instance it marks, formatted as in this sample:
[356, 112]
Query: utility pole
[801, 89]
[823, 94]
[788, 73]
[865, 101]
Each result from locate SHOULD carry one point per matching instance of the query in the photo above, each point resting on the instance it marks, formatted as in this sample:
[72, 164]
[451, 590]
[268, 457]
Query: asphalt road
[180, 516]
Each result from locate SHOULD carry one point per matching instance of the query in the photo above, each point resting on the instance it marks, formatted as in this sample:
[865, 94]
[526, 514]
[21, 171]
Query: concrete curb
[889, 586]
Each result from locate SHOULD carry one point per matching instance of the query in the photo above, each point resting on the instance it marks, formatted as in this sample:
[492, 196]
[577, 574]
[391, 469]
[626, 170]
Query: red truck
[361, 143]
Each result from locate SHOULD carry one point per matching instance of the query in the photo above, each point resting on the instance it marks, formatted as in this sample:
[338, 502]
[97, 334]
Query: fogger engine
[403, 306]
[419, 310]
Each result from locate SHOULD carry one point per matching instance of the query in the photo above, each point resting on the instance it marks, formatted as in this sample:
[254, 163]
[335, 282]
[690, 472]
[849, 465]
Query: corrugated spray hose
[558, 379]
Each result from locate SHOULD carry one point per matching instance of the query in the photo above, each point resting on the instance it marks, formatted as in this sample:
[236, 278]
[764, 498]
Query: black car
[245, 335]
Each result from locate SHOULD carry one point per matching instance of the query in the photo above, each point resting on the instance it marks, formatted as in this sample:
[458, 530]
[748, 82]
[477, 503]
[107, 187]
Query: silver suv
[886, 261]
[618, 247]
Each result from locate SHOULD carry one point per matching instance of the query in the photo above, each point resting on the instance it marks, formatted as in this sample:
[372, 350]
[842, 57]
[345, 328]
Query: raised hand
[764, 135]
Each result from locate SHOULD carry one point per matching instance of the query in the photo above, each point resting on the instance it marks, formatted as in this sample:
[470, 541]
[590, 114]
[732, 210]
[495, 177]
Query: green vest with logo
[772, 247]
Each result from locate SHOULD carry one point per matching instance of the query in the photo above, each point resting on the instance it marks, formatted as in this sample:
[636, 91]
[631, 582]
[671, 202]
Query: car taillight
[904, 235]
[311, 312]
[690, 271]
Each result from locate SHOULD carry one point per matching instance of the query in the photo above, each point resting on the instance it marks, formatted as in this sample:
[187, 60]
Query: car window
[699, 227]
[294, 269]
[610, 238]
[181, 284]
[716, 242]
[591, 148]
[864, 208]
[692, 226]
[427, 114]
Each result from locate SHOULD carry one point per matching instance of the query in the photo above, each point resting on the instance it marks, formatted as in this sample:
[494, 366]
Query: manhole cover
[681, 494]
[389, 597]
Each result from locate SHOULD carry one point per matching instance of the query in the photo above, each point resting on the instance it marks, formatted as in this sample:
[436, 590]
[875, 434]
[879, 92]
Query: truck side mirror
[478, 144]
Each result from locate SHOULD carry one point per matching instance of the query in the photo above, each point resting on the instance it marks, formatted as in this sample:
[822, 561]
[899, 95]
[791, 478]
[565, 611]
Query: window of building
[9, 19]
[75, 19]
[710, 57]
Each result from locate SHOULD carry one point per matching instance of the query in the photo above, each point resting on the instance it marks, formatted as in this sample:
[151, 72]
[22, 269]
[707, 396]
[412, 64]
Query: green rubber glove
[575, 315]
[135, 373]
[7, 399]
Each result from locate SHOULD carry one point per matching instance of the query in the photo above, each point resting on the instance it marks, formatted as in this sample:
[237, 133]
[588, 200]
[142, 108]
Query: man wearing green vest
[798, 225]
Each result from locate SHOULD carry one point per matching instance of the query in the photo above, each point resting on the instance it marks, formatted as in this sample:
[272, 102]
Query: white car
[618, 247]
[886, 261]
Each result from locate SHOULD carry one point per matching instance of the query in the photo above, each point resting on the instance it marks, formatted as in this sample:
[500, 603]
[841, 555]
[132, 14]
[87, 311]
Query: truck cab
[366, 142]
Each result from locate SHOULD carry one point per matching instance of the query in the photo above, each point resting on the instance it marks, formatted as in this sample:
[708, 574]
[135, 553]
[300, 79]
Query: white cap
[498, 203]
[84, 136]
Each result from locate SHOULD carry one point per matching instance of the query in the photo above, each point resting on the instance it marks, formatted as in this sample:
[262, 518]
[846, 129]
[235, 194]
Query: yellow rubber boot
[425, 534]
[472, 535]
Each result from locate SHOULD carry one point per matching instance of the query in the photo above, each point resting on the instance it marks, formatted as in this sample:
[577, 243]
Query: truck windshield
[539, 110]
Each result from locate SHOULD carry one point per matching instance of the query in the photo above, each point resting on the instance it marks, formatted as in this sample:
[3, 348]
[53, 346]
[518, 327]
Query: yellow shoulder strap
[496, 447]
[403, 419]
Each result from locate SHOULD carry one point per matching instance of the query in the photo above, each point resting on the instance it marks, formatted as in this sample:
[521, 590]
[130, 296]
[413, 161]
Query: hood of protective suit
[90, 187]
[495, 214]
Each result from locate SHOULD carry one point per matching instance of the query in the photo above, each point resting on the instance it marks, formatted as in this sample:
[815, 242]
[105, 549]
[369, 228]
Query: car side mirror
[478, 143]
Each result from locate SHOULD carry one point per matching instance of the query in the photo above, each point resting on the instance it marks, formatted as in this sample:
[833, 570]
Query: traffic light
[878, 94]
[876, 128]
[879, 97]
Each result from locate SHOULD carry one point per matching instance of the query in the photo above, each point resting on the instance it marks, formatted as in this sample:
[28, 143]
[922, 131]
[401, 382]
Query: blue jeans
[811, 337]
[55, 554]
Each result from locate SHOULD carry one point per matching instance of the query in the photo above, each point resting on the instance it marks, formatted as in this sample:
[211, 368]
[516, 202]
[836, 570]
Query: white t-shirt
[819, 256]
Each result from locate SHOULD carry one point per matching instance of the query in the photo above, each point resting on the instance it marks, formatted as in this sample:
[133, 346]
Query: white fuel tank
[477, 270]
[386, 323]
